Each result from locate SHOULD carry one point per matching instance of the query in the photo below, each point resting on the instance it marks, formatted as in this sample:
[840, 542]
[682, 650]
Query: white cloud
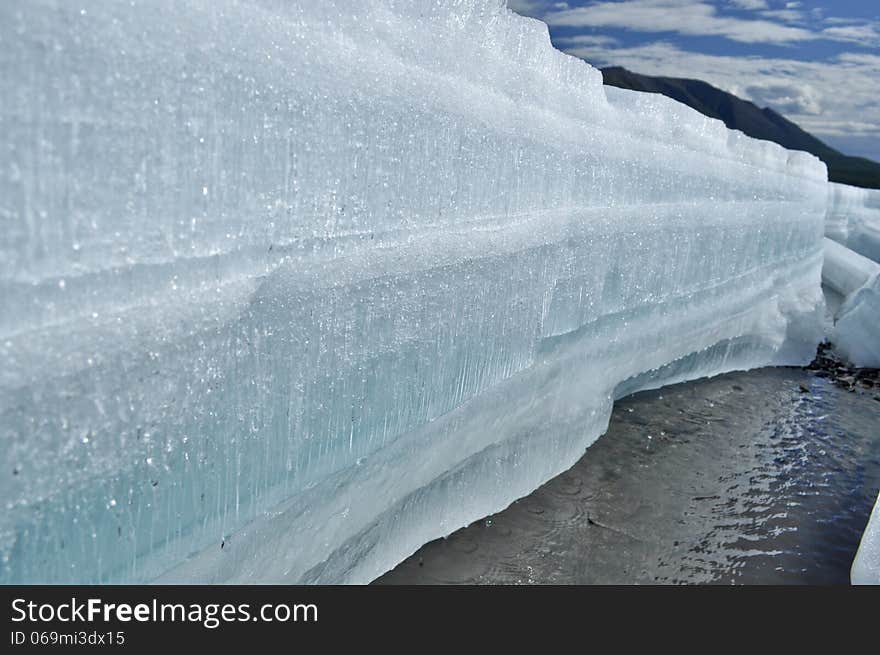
[786, 15]
[749, 4]
[585, 40]
[690, 17]
[827, 98]
[699, 18]
[834, 20]
[791, 98]
[861, 58]
[866, 34]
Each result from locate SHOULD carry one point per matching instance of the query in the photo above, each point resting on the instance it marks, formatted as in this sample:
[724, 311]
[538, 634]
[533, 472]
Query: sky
[815, 62]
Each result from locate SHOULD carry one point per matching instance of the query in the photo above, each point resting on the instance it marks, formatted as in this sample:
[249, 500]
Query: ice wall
[853, 219]
[288, 289]
[866, 565]
[856, 282]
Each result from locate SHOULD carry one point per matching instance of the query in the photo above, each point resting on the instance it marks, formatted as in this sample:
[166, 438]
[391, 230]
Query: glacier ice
[853, 219]
[854, 284]
[290, 288]
[866, 565]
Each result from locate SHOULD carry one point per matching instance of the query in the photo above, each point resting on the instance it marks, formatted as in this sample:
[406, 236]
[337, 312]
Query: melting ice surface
[288, 289]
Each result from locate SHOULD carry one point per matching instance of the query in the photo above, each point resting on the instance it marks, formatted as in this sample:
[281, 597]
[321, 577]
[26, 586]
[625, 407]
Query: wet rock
[827, 364]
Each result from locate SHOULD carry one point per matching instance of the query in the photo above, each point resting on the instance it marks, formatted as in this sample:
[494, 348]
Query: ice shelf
[288, 289]
[853, 219]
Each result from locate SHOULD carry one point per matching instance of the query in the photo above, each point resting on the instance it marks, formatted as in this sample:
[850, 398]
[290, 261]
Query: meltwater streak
[288, 289]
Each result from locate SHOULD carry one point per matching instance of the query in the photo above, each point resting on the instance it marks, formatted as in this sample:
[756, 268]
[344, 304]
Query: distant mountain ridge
[739, 114]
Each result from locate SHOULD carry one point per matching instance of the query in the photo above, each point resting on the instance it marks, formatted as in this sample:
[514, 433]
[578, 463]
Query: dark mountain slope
[747, 117]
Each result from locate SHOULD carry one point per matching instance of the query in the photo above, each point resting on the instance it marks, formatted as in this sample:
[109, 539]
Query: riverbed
[758, 477]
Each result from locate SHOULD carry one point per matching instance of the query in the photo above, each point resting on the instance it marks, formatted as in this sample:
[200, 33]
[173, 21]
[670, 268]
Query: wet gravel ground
[764, 477]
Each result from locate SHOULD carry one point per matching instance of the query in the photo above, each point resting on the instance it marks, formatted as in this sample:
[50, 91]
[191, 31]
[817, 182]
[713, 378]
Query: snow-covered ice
[853, 219]
[854, 282]
[288, 289]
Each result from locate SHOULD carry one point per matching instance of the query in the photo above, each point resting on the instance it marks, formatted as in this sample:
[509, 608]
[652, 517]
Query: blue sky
[817, 63]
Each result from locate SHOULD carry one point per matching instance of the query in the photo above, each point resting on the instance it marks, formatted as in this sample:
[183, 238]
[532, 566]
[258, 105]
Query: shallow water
[765, 476]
